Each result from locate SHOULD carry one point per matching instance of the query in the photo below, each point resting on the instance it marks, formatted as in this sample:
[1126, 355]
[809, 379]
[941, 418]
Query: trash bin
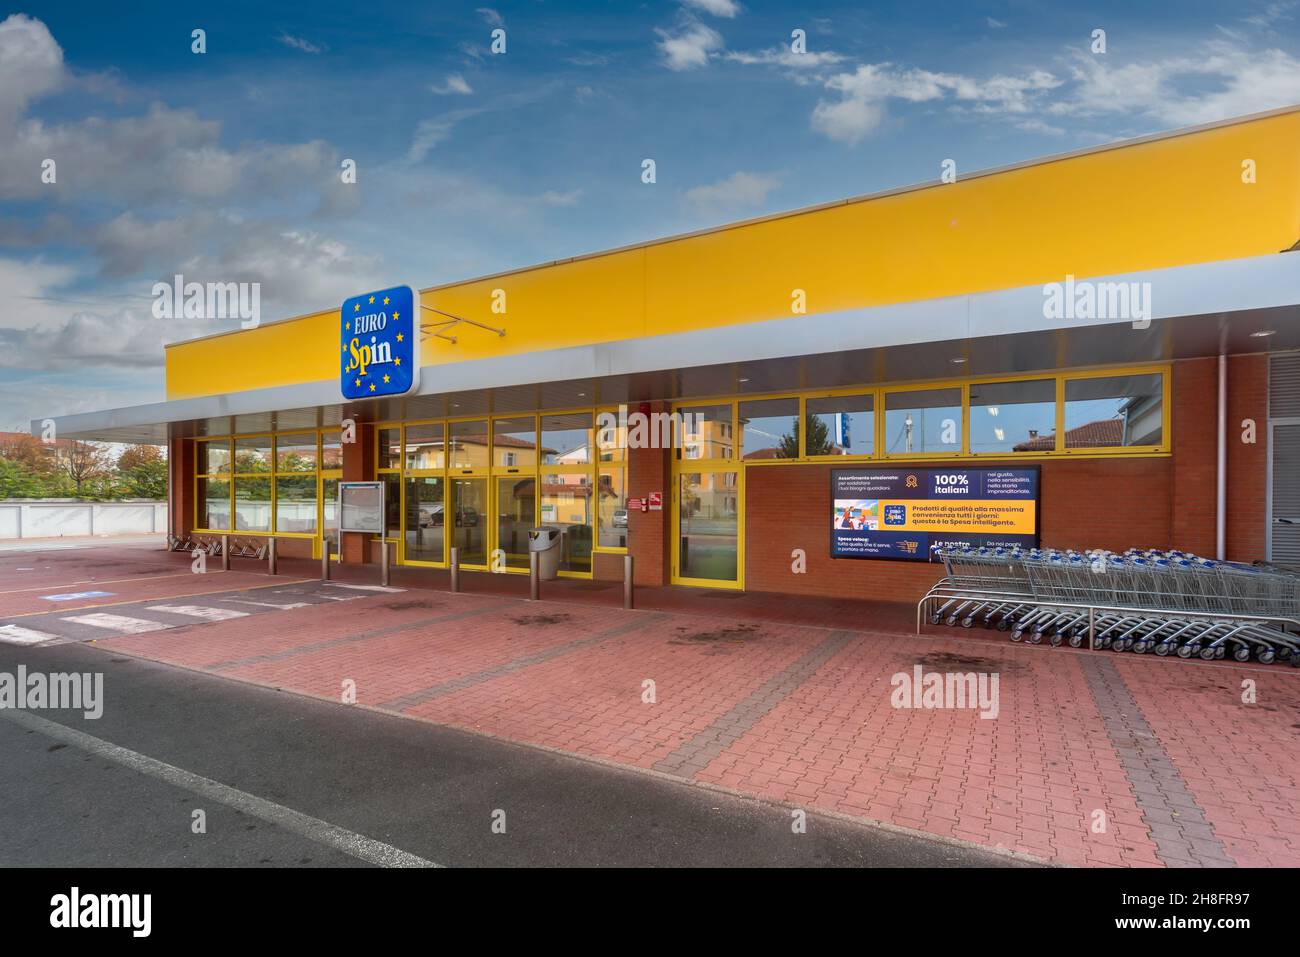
[545, 541]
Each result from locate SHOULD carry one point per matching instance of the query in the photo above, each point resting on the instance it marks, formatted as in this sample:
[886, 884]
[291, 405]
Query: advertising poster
[903, 513]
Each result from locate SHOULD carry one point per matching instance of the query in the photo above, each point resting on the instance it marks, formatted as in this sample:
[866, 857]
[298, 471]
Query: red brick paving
[1030, 780]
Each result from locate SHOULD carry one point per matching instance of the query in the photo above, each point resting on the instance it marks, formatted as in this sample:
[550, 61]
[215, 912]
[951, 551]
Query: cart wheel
[986, 621]
[1285, 653]
[1220, 652]
[1018, 634]
[1056, 639]
[967, 622]
[1163, 649]
[1186, 651]
[935, 619]
[1141, 647]
[1241, 653]
[1036, 638]
[1209, 654]
[1004, 625]
[1076, 641]
[1266, 656]
[1295, 661]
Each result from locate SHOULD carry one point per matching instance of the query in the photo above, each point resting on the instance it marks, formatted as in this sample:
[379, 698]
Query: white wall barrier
[55, 518]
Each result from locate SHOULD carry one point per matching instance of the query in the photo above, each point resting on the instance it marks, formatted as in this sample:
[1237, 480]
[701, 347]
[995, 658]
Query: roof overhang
[1195, 310]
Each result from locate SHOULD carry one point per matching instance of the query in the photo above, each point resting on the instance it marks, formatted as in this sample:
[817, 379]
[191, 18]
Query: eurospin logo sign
[380, 337]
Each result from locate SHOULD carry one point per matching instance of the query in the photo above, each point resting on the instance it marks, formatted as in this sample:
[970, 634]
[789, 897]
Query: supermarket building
[1121, 322]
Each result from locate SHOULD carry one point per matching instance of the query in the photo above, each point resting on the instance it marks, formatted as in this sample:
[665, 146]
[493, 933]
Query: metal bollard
[383, 563]
[534, 577]
[272, 564]
[627, 582]
[455, 569]
[225, 553]
[324, 561]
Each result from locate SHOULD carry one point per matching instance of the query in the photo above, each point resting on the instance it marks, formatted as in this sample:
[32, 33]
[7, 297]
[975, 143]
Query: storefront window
[331, 450]
[295, 504]
[1114, 411]
[468, 448]
[611, 436]
[392, 504]
[390, 448]
[425, 518]
[424, 446]
[1013, 416]
[514, 443]
[612, 506]
[214, 503]
[252, 503]
[212, 457]
[567, 501]
[567, 439]
[923, 420]
[253, 456]
[705, 432]
[841, 425]
[769, 429]
[295, 453]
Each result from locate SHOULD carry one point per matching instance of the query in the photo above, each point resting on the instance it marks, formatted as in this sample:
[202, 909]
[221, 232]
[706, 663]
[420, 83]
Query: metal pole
[225, 553]
[325, 559]
[383, 562]
[1221, 466]
[534, 577]
[627, 582]
[271, 557]
[455, 569]
[1092, 634]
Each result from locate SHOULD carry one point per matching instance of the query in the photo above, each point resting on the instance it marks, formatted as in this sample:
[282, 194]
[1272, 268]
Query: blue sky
[225, 166]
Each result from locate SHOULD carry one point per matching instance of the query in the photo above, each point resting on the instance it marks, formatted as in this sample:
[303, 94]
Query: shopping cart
[1163, 602]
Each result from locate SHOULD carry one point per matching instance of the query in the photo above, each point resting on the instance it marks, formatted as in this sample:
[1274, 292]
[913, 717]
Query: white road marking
[269, 604]
[118, 623]
[17, 635]
[200, 611]
[383, 588]
[322, 832]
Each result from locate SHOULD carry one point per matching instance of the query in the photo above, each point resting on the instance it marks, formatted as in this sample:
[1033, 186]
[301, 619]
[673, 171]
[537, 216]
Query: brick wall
[1247, 464]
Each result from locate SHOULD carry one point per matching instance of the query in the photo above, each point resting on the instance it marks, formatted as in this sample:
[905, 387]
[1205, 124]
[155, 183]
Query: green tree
[18, 481]
[819, 438]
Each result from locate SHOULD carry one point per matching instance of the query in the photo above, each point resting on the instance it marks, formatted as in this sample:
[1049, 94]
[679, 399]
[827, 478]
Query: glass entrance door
[708, 515]
[467, 513]
[515, 512]
[424, 528]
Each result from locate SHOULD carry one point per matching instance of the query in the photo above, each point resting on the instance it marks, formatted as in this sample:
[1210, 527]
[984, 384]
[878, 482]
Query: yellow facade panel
[1172, 201]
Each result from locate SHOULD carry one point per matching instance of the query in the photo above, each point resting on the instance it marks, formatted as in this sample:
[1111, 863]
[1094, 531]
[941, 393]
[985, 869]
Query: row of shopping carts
[1163, 602]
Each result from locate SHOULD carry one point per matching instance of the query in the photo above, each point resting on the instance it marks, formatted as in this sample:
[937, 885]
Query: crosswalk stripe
[118, 623]
[17, 635]
[271, 604]
[383, 588]
[200, 611]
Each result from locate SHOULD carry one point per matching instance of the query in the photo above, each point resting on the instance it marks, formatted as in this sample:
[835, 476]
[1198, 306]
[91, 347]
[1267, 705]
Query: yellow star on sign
[396, 316]
[347, 327]
[357, 307]
[385, 300]
[398, 361]
[345, 349]
[372, 387]
[385, 378]
[372, 300]
[357, 382]
[399, 337]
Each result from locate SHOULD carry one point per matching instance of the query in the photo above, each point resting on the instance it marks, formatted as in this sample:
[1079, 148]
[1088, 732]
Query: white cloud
[491, 17]
[738, 191]
[31, 65]
[783, 56]
[994, 24]
[455, 83]
[717, 8]
[298, 43]
[555, 198]
[690, 47]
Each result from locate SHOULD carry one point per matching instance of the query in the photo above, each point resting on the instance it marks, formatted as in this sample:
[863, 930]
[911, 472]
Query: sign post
[361, 509]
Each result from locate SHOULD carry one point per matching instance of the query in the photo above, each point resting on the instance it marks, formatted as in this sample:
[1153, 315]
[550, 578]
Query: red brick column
[1247, 464]
[180, 479]
[649, 533]
[1195, 425]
